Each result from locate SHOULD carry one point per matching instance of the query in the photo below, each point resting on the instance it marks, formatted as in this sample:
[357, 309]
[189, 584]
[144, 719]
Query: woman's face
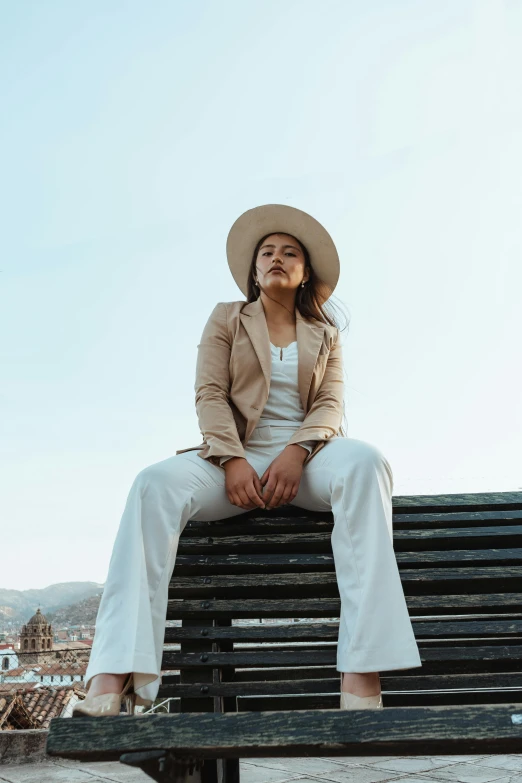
[280, 252]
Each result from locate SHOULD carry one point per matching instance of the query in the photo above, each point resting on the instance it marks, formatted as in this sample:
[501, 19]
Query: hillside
[82, 613]
[18, 606]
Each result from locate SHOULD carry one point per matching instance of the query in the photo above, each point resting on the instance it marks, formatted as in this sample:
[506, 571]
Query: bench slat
[252, 523]
[488, 500]
[300, 562]
[476, 657]
[411, 730]
[208, 608]
[400, 680]
[420, 540]
[323, 584]
[331, 702]
[315, 683]
[304, 632]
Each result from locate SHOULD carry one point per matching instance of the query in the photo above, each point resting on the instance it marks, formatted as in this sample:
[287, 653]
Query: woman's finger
[251, 491]
[278, 492]
[259, 488]
[288, 494]
[245, 500]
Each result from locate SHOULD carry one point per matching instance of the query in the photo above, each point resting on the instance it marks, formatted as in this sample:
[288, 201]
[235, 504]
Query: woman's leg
[354, 480]
[130, 626]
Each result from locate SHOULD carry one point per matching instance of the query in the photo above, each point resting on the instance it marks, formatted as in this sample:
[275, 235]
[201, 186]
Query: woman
[269, 399]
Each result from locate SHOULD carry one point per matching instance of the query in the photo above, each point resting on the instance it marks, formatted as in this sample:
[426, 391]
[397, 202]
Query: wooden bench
[272, 689]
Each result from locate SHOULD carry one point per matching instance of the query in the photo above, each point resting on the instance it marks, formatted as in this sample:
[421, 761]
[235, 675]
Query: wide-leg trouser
[349, 477]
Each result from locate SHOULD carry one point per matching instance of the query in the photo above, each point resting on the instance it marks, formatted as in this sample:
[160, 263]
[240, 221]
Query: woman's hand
[242, 484]
[283, 475]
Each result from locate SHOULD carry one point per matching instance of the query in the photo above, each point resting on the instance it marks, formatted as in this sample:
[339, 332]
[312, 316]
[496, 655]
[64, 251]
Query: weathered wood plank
[487, 500]
[403, 540]
[246, 527]
[204, 609]
[471, 682]
[320, 585]
[296, 562]
[472, 656]
[331, 702]
[307, 632]
[403, 676]
[408, 730]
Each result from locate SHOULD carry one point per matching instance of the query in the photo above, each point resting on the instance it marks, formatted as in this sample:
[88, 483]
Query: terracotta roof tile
[36, 707]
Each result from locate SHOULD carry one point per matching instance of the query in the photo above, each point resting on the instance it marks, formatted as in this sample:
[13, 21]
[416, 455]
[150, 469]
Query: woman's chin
[276, 285]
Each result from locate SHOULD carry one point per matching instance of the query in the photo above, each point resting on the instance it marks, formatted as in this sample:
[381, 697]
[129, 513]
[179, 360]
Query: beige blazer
[233, 373]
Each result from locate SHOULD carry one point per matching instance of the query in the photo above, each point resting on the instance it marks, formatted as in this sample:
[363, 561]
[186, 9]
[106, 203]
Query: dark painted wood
[304, 632]
[330, 684]
[205, 702]
[471, 656]
[273, 689]
[328, 702]
[403, 540]
[204, 609]
[412, 524]
[409, 731]
[492, 579]
[297, 562]
[461, 500]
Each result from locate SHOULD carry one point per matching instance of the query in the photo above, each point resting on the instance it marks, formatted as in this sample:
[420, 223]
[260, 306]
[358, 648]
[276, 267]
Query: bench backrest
[460, 561]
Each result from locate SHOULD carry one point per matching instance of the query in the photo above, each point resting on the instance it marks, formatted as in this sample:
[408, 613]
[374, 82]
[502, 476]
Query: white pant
[349, 477]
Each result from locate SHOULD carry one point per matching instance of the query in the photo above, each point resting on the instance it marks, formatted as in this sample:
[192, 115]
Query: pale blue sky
[134, 134]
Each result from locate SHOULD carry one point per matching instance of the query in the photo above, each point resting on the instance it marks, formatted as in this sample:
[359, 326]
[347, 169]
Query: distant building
[48, 674]
[36, 638]
[8, 658]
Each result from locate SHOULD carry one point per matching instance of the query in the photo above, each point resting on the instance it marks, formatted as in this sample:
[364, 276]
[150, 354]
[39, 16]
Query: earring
[302, 284]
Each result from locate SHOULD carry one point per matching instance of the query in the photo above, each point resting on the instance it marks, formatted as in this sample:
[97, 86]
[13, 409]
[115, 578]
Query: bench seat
[271, 688]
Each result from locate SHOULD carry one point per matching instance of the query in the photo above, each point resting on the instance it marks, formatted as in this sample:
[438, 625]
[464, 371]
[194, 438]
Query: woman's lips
[281, 272]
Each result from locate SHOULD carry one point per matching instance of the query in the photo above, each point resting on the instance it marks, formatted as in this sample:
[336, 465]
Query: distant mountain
[82, 613]
[18, 606]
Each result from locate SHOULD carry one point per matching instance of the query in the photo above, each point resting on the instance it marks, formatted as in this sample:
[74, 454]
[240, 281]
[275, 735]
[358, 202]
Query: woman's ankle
[106, 683]
[361, 683]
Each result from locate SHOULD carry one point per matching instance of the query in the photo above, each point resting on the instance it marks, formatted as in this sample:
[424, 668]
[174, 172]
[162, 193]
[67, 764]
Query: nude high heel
[349, 701]
[107, 703]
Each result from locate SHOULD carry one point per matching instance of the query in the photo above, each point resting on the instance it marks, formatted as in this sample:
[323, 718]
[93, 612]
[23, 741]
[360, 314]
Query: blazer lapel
[309, 341]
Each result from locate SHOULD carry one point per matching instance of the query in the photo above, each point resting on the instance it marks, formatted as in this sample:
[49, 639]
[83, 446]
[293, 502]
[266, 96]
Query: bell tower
[36, 638]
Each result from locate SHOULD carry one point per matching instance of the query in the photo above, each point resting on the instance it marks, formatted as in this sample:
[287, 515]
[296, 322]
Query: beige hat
[280, 219]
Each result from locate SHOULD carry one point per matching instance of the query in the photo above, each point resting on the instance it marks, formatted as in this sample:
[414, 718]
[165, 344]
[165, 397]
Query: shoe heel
[128, 695]
[130, 703]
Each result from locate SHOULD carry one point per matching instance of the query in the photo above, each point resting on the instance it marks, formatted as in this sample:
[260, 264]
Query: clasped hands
[278, 485]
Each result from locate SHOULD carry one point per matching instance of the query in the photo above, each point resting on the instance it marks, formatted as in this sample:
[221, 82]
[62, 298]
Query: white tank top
[284, 403]
[283, 406]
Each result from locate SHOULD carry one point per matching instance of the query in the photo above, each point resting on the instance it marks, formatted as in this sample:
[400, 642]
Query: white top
[284, 402]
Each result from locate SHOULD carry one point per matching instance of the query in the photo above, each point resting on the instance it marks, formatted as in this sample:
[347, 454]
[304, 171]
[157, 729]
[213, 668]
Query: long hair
[312, 300]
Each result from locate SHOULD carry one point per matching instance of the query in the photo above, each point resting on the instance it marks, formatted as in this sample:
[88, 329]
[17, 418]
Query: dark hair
[310, 299]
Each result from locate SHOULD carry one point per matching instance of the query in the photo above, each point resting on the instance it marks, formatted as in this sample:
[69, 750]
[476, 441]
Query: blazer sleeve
[212, 386]
[324, 418]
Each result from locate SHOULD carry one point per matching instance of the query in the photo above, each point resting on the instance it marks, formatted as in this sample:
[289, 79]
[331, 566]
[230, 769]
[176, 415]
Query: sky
[132, 137]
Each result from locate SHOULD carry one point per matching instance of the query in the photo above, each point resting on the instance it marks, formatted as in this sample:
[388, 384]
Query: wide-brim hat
[255, 223]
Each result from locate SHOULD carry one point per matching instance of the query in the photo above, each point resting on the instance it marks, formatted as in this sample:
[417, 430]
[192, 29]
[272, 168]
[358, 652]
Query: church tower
[36, 639]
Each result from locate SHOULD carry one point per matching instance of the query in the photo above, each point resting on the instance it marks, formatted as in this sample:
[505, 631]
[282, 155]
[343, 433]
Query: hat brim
[255, 223]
